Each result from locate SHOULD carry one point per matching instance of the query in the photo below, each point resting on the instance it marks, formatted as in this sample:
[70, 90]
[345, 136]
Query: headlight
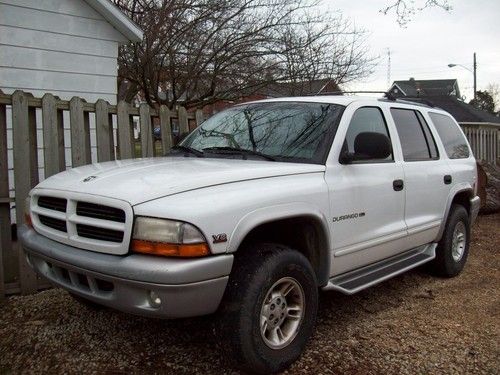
[168, 238]
[27, 215]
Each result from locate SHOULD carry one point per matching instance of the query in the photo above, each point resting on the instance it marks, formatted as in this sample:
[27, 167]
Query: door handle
[398, 185]
[447, 179]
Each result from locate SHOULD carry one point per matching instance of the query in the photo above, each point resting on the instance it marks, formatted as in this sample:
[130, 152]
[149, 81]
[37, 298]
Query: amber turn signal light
[27, 220]
[27, 216]
[169, 249]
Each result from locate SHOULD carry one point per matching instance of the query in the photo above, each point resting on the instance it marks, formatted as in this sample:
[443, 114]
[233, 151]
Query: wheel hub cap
[282, 312]
[458, 241]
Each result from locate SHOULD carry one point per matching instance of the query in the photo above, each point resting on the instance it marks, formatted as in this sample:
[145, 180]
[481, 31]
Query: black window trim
[325, 147]
[426, 125]
[423, 132]
[372, 161]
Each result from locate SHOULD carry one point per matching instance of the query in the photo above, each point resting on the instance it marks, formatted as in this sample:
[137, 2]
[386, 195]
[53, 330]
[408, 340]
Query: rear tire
[269, 308]
[453, 249]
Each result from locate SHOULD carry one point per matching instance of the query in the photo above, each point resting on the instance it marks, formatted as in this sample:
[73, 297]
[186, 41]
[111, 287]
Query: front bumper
[186, 287]
[475, 205]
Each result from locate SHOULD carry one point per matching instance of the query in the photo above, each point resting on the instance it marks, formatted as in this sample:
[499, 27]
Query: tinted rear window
[453, 140]
[414, 142]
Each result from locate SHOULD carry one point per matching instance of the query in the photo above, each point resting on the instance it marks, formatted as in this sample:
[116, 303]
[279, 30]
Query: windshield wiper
[187, 149]
[241, 151]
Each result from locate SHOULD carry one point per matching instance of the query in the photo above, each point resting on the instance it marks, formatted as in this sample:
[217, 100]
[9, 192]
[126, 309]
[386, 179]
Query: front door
[367, 200]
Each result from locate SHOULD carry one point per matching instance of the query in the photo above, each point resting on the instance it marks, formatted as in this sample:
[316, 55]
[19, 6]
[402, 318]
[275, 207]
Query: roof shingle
[461, 111]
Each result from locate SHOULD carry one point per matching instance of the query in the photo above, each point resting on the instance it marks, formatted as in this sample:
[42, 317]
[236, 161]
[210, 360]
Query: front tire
[269, 309]
[453, 249]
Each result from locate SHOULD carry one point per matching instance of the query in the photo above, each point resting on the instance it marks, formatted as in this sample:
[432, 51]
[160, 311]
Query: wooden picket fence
[484, 139]
[114, 139]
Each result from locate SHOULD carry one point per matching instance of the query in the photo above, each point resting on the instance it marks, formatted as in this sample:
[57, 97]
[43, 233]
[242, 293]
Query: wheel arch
[296, 225]
[460, 195]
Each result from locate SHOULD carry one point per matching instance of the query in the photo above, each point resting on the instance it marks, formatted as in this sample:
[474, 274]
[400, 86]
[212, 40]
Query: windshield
[284, 131]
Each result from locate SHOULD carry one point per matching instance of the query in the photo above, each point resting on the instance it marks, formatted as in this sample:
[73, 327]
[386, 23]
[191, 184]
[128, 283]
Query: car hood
[140, 180]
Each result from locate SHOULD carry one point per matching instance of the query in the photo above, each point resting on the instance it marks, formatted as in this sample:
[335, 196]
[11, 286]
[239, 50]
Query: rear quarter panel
[463, 171]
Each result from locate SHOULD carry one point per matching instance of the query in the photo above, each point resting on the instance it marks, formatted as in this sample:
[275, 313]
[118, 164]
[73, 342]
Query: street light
[472, 71]
[463, 66]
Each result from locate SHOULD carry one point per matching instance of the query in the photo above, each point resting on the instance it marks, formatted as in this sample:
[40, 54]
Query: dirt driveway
[409, 325]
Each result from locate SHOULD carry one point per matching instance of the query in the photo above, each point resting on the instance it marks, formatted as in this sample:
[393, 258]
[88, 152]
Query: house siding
[69, 7]
[29, 79]
[47, 41]
[59, 46]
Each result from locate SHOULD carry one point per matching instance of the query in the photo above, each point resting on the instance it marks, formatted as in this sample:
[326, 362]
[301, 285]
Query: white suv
[255, 211]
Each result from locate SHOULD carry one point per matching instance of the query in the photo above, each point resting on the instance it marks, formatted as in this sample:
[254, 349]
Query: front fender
[236, 208]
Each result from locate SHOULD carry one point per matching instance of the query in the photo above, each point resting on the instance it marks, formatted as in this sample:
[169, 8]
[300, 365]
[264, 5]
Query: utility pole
[475, 78]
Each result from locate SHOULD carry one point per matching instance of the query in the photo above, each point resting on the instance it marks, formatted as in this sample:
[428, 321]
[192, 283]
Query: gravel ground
[408, 325]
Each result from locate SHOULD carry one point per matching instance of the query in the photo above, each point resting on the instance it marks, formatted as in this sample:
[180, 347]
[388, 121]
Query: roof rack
[387, 94]
[387, 97]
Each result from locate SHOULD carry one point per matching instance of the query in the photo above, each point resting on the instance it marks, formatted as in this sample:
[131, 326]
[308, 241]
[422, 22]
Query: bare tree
[196, 52]
[406, 9]
[325, 48]
[494, 90]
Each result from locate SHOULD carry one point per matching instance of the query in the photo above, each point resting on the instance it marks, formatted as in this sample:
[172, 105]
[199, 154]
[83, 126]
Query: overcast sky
[432, 40]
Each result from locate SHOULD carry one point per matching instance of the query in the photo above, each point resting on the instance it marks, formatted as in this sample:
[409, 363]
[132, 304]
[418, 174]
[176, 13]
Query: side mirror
[368, 146]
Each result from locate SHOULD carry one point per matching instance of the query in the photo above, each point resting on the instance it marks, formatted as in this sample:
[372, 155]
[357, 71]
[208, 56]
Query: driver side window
[365, 120]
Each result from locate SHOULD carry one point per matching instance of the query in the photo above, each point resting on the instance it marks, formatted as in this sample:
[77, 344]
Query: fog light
[154, 299]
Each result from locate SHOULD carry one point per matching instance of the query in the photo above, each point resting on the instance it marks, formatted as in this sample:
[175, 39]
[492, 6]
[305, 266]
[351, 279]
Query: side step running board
[362, 278]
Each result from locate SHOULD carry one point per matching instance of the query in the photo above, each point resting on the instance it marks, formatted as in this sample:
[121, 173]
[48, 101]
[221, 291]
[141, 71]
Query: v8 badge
[218, 238]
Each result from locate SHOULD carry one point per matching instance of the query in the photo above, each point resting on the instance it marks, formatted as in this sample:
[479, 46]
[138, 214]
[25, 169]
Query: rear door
[427, 177]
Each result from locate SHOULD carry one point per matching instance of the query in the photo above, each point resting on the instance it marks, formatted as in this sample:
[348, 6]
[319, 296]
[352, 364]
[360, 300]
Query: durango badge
[349, 216]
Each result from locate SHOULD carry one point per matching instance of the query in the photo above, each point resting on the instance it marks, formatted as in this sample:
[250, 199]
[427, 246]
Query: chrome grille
[85, 221]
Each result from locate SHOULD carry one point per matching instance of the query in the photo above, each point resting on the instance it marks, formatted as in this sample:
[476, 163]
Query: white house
[65, 47]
